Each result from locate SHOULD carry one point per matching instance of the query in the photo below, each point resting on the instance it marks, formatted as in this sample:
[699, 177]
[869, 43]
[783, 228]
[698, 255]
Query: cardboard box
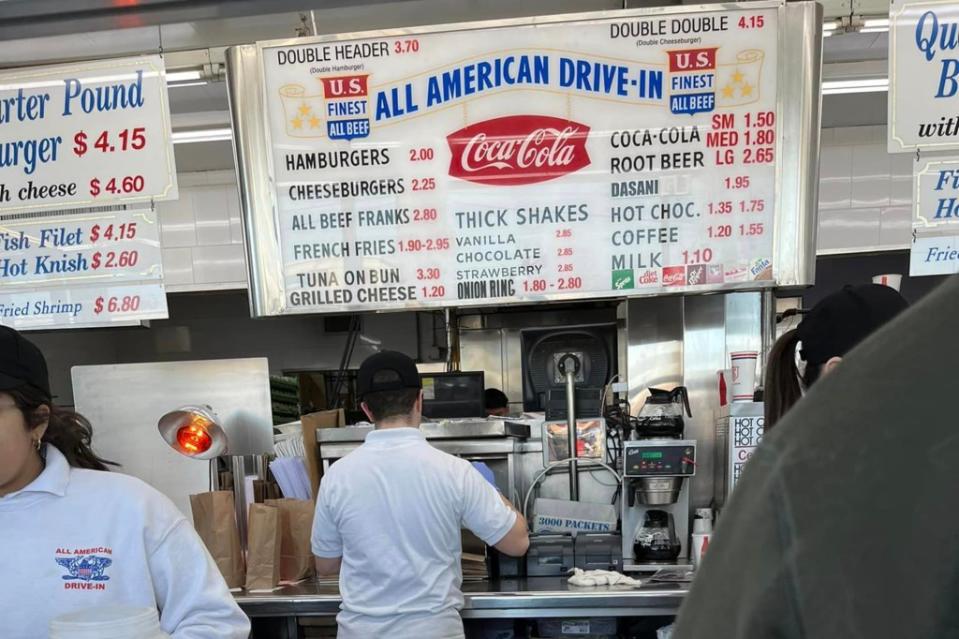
[321, 419]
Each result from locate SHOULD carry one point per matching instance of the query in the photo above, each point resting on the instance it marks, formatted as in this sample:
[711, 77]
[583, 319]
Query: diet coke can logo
[518, 149]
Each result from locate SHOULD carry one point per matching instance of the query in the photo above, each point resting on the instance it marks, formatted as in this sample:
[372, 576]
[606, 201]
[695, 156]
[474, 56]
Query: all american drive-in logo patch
[85, 568]
[518, 149]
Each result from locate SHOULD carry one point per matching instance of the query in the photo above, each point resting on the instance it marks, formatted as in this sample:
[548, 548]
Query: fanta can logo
[519, 149]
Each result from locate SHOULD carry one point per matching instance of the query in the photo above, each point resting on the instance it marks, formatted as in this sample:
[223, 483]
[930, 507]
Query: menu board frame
[798, 72]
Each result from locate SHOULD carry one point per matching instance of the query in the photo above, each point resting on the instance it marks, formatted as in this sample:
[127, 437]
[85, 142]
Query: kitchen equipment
[655, 505]
[662, 414]
[658, 491]
[739, 430]
[598, 551]
[549, 555]
[656, 540]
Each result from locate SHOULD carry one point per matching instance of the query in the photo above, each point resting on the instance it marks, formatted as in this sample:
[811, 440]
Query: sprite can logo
[623, 280]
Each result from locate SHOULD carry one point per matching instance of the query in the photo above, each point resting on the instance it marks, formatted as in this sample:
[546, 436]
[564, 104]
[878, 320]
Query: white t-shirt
[393, 510]
[76, 539]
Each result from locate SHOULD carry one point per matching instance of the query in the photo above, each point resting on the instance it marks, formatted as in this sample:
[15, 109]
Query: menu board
[923, 76]
[85, 134]
[611, 155]
[95, 267]
[935, 224]
[85, 149]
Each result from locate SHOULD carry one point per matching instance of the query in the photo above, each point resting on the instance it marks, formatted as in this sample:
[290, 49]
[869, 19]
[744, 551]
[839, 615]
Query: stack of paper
[290, 474]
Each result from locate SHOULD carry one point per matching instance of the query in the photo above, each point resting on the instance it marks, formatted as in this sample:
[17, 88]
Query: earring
[38, 444]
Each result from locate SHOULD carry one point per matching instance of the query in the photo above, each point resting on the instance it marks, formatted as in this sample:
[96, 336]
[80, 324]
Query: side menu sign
[923, 76]
[935, 225]
[80, 146]
[93, 268]
[589, 158]
[89, 134]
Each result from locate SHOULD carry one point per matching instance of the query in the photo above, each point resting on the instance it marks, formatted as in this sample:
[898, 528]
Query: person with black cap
[497, 403]
[389, 514]
[830, 330]
[76, 537]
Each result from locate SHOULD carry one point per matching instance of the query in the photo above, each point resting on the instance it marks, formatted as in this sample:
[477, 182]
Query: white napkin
[589, 578]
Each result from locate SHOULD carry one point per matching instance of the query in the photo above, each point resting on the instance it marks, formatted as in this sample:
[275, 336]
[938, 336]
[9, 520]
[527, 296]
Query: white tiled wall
[865, 193]
[202, 234]
[865, 196]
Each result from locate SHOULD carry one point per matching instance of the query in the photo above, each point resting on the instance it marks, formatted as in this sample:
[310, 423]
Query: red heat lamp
[193, 431]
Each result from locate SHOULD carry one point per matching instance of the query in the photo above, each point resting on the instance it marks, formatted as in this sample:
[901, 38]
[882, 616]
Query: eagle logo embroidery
[88, 568]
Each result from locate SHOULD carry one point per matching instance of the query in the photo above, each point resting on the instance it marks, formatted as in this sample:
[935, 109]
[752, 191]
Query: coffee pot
[656, 540]
[662, 416]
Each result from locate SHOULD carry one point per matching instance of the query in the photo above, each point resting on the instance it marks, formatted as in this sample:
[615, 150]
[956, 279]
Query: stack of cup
[744, 375]
[702, 533]
[892, 280]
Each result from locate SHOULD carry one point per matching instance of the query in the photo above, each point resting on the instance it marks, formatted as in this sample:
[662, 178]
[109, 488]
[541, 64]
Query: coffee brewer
[655, 486]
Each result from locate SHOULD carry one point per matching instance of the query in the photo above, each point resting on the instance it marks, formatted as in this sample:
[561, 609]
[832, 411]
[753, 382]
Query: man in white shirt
[389, 514]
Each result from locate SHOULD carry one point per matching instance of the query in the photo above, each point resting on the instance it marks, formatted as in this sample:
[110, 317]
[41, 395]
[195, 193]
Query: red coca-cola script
[518, 149]
[674, 276]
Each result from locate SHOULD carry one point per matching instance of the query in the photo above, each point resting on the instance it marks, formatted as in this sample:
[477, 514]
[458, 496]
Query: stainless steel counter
[491, 599]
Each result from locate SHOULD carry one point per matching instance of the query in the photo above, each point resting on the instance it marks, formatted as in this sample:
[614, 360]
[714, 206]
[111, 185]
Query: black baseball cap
[839, 322]
[21, 363]
[387, 371]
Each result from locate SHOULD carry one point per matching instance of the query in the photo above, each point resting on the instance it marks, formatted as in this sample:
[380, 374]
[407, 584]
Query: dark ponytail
[68, 431]
[783, 386]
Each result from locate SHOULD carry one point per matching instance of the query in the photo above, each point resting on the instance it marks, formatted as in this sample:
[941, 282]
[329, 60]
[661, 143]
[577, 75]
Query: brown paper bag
[296, 524]
[214, 518]
[323, 419]
[263, 554]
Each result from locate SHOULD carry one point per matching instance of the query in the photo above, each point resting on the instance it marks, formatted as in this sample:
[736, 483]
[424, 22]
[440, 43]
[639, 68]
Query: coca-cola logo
[674, 276]
[518, 149]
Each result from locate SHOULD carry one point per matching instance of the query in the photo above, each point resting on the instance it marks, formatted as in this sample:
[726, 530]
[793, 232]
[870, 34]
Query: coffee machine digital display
[648, 458]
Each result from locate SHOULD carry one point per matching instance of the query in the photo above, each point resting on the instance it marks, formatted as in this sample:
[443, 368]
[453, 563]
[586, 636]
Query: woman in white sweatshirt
[74, 536]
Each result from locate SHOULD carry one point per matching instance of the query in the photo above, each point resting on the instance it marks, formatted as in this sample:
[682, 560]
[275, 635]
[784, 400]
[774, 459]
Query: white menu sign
[87, 134]
[935, 225]
[923, 76]
[602, 157]
[96, 267]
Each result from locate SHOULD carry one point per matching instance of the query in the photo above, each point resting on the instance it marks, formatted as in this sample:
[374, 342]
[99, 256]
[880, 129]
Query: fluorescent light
[878, 24]
[838, 87]
[180, 85]
[184, 76]
[202, 135]
[177, 79]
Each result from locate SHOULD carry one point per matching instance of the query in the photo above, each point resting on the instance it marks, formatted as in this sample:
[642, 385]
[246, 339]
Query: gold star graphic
[297, 123]
[314, 122]
[737, 77]
[728, 91]
[747, 90]
[305, 109]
